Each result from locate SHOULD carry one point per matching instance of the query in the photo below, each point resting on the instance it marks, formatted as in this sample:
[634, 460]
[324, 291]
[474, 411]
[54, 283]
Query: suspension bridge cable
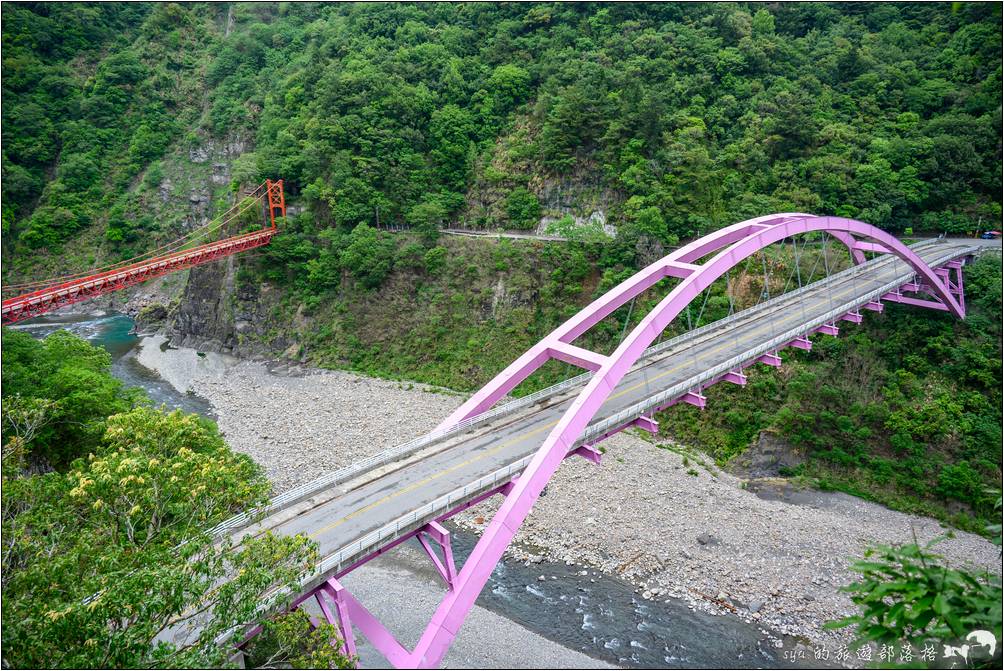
[176, 245]
[170, 246]
[228, 215]
[167, 247]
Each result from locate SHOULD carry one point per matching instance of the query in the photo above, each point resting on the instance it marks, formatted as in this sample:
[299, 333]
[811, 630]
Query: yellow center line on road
[413, 486]
[523, 436]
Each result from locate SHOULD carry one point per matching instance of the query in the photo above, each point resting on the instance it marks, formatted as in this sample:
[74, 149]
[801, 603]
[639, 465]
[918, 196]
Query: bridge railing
[460, 495]
[334, 478]
[628, 414]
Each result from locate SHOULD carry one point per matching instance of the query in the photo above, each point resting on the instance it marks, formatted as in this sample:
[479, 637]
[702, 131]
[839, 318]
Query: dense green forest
[106, 506]
[691, 115]
[673, 119]
[904, 409]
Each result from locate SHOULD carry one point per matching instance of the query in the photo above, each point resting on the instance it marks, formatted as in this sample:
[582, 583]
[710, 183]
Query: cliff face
[454, 327]
[223, 310]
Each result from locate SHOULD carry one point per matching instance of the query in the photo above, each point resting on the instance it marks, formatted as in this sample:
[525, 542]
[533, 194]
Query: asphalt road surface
[352, 510]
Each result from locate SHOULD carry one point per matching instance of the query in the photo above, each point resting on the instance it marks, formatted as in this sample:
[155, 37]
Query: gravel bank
[674, 530]
[682, 531]
[299, 424]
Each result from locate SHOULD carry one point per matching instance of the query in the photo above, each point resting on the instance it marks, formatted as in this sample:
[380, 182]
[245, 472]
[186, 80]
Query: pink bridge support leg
[440, 535]
[694, 273]
[647, 424]
[801, 342]
[827, 329]
[735, 377]
[589, 453]
[343, 621]
[770, 359]
[351, 612]
[695, 398]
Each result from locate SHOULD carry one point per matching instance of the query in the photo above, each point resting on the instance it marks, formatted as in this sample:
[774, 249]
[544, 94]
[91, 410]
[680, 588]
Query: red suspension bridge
[194, 248]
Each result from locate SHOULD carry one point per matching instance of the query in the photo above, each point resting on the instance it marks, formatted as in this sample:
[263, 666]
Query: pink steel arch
[733, 244]
[557, 344]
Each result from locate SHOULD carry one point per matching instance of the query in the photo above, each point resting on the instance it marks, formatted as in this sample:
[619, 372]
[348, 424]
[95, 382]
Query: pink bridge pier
[512, 450]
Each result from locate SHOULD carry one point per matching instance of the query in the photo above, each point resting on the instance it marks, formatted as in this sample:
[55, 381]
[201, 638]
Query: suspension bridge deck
[371, 506]
[38, 298]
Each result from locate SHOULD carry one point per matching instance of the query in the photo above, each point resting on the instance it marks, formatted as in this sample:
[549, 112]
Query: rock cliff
[225, 310]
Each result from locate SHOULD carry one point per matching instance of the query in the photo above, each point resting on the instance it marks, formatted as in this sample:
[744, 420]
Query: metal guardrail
[334, 478]
[407, 522]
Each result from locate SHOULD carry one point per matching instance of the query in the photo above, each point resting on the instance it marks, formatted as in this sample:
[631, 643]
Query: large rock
[766, 458]
[219, 314]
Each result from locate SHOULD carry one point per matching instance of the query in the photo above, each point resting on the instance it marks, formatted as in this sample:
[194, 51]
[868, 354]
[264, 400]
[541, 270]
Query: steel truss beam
[51, 298]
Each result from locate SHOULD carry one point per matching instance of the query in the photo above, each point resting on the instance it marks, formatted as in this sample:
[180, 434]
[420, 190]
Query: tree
[292, 640]
[907, 595]
[451, 129]
[369, 255]
[427, 218]
[522, 208]
[103, 560]
[75, 379]
[509, 85]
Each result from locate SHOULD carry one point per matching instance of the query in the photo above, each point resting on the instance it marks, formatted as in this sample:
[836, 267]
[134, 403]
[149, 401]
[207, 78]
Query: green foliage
[522, 208]
[369, 255]
[904, 409]
[92, 98]
[676, 119]
[435, 259]
[906, 595]
[291, 640]
[427, 218]
[688, 118]
[72, 380]
[102, 558]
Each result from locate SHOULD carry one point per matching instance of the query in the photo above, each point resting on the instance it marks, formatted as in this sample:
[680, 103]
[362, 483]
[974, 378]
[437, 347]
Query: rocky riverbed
[775, 557]
[675, 529]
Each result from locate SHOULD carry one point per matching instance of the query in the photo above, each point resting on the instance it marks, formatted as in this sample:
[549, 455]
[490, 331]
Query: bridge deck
[351, 519]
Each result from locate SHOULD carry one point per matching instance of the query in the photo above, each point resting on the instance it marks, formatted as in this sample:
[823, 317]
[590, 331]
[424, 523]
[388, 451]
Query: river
[114, 332]
[596, 614]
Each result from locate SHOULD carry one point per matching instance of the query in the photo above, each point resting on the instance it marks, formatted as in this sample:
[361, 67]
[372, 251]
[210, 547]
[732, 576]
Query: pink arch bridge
[931, 273]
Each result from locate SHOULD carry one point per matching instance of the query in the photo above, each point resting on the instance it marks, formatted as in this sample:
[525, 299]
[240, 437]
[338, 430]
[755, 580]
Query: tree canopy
[104, 556]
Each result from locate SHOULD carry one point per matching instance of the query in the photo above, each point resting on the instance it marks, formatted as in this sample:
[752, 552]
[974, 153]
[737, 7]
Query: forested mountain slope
[683, 116]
